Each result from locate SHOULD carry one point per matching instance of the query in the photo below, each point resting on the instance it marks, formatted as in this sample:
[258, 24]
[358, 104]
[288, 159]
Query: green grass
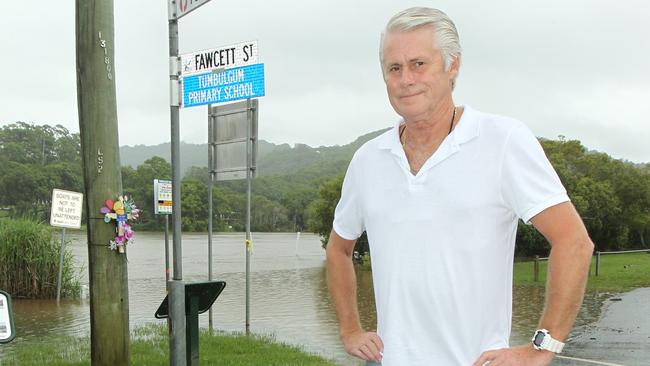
[618, 272]
[150, 346]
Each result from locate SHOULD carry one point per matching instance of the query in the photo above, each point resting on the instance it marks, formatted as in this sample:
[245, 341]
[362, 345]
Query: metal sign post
[210, 187]
[65, 213]
[218, 75]
[232, 75]
[60, 275]
[233, 148]
[249, 241]
[168, 270]
[176, 288]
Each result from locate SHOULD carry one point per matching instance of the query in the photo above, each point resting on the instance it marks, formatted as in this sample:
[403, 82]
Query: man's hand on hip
[515, 356]
[365, 345]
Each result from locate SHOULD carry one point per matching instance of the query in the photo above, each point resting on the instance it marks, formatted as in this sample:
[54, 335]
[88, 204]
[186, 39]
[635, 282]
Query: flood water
[289, 292]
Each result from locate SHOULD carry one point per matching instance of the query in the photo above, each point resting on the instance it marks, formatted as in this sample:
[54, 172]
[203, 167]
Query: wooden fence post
[536, 268]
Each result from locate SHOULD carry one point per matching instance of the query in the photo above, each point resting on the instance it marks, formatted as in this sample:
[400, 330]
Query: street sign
[225, 57]
[7, 328]
[199, 297]
[238, 83]
[66, 209]
[162, 200]
[231, 125]
[180, 8]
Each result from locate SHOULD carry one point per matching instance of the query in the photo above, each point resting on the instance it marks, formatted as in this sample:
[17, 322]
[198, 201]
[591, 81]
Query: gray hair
[444, 32]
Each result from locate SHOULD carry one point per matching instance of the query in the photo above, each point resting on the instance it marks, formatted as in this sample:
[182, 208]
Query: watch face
[539, 337]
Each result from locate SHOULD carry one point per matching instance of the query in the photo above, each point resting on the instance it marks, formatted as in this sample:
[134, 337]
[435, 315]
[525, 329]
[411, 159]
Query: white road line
[590, 361]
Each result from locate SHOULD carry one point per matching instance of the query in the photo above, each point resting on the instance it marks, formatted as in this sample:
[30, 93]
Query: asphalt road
[620, 337]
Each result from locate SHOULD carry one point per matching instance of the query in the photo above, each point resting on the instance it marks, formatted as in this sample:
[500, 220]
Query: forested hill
[272, 159]
[298, 187]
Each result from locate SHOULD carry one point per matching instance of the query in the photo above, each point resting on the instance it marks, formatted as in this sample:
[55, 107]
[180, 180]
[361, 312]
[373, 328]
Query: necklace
[451, 126]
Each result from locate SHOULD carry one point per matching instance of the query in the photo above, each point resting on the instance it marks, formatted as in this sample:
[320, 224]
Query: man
[439, 197]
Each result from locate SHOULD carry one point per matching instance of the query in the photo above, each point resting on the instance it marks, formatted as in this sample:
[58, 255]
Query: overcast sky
[578, 68]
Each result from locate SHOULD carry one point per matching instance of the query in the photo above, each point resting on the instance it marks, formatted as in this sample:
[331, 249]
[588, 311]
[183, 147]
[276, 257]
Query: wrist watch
[542, 340]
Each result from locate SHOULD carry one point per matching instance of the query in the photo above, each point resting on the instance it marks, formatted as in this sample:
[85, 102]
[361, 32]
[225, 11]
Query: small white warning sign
[66, 209]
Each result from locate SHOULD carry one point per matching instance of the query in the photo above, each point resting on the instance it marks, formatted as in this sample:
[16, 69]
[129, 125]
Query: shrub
[29, 261]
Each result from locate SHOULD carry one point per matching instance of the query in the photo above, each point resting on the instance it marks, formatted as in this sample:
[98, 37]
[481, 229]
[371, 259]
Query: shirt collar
[466, 130]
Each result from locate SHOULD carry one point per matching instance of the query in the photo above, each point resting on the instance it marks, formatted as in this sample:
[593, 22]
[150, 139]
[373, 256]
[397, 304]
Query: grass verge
[618, 272]
[150, 346]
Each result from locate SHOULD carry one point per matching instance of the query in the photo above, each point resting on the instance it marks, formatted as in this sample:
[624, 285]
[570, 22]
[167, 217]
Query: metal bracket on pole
[174, 82]
[174, 93]
[174, 66]
[171, 9]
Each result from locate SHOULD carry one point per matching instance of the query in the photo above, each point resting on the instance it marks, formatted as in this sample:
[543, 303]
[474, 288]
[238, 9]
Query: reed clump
[29, 261]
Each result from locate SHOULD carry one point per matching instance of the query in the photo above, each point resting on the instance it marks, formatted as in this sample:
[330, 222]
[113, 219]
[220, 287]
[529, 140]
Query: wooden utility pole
[109, 297]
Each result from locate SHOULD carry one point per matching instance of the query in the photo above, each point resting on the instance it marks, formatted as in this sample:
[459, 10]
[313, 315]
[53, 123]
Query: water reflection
[366, 299]
[290, 296]
[528, 304]
[41, 318]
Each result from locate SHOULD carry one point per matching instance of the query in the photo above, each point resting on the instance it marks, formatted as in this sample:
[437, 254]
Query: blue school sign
[246, 82]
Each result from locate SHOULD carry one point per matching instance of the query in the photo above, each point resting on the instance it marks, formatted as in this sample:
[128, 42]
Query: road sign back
[180, 8]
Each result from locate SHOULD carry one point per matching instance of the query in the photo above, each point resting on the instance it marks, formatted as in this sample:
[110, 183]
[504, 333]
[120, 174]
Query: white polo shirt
[442, 242]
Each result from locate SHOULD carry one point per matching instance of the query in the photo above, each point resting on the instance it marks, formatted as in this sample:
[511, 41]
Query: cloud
[577, 68]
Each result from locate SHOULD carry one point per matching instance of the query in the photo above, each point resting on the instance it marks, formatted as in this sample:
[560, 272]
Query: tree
[228, 210]
[138, 184]
[600, 210]
[194, 205]
[302, 188]
[199, 174]
[33, 161]
[27, 143]
[296, 202]
[24, 187]
[321, 213]
[321, 210]
[267, 215]
[530, 242]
